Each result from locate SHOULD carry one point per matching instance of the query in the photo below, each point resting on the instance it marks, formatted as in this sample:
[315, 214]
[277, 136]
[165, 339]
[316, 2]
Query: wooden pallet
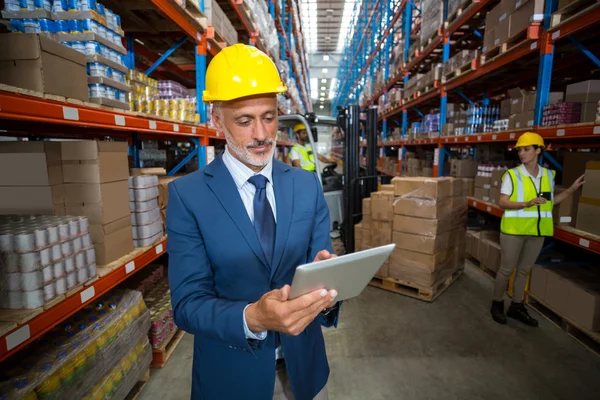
[468, 67]
[521, 38]
[139, 386]
[579, 232]
[573, 10]
[161, 355]
[426, 89]
[192, 8]
[461, 9]
[411, 290]
[589, 339]
[427, 42]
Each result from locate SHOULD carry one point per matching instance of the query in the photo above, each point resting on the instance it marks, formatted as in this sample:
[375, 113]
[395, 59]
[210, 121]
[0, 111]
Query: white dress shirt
[240, 174]
[507, 186]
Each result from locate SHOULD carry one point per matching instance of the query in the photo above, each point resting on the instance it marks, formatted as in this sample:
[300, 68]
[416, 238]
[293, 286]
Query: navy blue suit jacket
[217, 267]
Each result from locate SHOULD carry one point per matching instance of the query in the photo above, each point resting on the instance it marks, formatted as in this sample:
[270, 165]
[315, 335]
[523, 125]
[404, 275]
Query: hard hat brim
[207, 98]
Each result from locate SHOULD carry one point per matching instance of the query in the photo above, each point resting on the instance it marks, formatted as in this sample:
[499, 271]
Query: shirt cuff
[249, 333]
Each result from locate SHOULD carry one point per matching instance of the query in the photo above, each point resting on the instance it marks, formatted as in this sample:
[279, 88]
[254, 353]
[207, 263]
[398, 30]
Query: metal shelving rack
[24, 113]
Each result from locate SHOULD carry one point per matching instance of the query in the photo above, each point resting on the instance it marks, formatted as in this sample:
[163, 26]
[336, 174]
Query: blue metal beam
[188, 158]
[418, 112]
[464, 96]
[478, 34]
[543, 86]
[585, 51]
[166, 55]
[446, 152]
[200, 84]
[552, 160]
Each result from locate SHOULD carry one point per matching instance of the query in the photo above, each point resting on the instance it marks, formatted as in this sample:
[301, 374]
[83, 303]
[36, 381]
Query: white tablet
[348, 274]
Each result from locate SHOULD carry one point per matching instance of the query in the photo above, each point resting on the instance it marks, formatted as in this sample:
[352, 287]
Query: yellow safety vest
[533, 221]
[307, 158]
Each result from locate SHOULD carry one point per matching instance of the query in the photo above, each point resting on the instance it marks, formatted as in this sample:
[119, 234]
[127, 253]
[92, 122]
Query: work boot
[498, 311]
[519, 312]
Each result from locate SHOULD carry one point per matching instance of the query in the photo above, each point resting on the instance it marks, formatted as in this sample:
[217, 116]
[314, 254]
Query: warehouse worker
[302, 154]
[527, 197]
[238, 229]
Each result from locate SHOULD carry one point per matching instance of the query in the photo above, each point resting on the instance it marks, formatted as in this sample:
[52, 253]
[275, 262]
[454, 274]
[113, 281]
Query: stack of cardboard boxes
[432, 11]
[31, 178]
[571, 292]
[96, 186]
[429, 228]
[588, 213]
[588, 94]
[484, 246]
[376, 226]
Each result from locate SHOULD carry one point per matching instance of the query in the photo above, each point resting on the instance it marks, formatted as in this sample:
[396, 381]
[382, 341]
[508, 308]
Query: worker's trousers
[283, 388]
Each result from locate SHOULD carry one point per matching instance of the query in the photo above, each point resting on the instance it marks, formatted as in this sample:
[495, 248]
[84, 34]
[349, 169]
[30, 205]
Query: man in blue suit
[237, 231]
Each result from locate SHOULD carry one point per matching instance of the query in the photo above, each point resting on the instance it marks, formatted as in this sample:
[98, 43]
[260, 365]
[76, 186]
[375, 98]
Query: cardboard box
[495, 196]
[482, 194]
[367, 221]
[483, 250]
[427, 244]
[101, 203]
[505, 108]
[588, 215]
[493, 256]
[30, 164]
[429, 188]
[427, 227]
[366, 206]
[469, 185]
[574, 165]
[163, 190]
[416, 275]
[147, 171]
[557, 290]
[496, 180]
[109, 167]
[539, 278]
[491, 19]
[565, 213]
[37, 63]
[512, 121]
[501, 30]
[591, 188]
[475, 239]
[489, 36]
[382, 206]
[588, 112]
[583, 305]
[458, 188]
[47, 200]
[387, 188]
[428, 262]
[381, 233]
[483, 182]
[463, 168]
[366, 237]
[423, 208]
[584, 92]
[524, 120]
[115, 245]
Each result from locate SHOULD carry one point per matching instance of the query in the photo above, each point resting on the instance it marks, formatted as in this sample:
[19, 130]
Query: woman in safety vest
[527, 197]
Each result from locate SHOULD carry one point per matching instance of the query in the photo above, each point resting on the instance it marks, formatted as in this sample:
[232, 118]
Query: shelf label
[474, 204]
[596, 130]
[556, 35]
[193, 129]
[560, 132]
[17, 337]
[70, 113]
[120, 120]
[129, 267]
[87, 294]
[176, 127]
[479, 138]
[159, 249]
[584, 243]
[494, 137]
[489, 209]
[436, 157]
[455, 139]
[218, 133]
[446, 140]
[533, 46]
[512, 135]
[466, 139]
[152, 124]
[566, 220]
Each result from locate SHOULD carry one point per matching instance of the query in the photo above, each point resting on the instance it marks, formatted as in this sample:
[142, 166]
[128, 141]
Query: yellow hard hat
[239, 71]
[298, 127]
[530, 139]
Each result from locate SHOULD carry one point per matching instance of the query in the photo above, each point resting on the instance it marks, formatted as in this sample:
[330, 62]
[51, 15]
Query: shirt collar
[241, 173]
[526, 173]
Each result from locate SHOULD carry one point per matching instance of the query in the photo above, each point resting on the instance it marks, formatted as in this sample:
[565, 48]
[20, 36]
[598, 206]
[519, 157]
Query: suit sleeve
[320, 240]
[196, 308]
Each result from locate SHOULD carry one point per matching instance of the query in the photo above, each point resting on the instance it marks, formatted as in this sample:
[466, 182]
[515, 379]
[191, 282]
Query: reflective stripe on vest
[307, 161]
[533, 221]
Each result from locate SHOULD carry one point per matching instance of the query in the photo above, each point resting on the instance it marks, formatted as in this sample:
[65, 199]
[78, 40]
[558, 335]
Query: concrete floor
[388, 346]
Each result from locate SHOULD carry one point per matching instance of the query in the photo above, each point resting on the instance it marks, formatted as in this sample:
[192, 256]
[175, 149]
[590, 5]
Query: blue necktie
[264, 222]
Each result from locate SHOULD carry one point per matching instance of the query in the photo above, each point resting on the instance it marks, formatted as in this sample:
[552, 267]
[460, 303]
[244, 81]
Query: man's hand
[276, 313]
[324, 255]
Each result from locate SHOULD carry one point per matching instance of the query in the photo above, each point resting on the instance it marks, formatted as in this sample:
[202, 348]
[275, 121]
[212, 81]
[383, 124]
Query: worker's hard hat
[298, 127]
[530, 139]
[239, 71]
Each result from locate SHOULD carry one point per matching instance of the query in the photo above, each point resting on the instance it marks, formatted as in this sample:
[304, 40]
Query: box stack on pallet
[426, 218]
[100, 352]
[484, 246]
[432, 11]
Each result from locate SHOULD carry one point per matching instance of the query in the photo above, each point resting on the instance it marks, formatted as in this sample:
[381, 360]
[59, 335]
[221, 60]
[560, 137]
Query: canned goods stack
[170, 90]
[145, 213]
[144, 92]
[100, 352]
[561, 113]
[43, 257]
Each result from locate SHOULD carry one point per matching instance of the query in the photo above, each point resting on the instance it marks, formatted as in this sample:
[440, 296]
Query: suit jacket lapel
[283, 185]
[224, 188]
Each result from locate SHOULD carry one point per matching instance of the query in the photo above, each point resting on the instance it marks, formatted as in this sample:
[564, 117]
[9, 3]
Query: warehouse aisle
[388, 346]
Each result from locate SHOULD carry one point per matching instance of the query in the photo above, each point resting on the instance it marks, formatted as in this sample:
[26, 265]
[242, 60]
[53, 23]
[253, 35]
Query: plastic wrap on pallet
[69, 361]
[432, 14]
[42, 257]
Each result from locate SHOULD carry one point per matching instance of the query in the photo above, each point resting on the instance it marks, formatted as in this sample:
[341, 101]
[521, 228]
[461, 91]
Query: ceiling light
[324, 70]
[321, 107]
[326, 57]
[322, 94]
[323, 80]
[323, 88]
[322, 98]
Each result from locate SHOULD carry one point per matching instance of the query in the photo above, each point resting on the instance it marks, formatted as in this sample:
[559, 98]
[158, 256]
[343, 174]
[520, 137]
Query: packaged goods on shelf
[500, 125]
[266, 26]
[509, 19]
[481, 118]
[217, 18]
[463, 168]
[429, 229]
[588, 213]
[43, 257]
[432, 12]
[461, 59]
[561, 113]
[98, 350]
[147, 226]
[54, 69]
[588, 94]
